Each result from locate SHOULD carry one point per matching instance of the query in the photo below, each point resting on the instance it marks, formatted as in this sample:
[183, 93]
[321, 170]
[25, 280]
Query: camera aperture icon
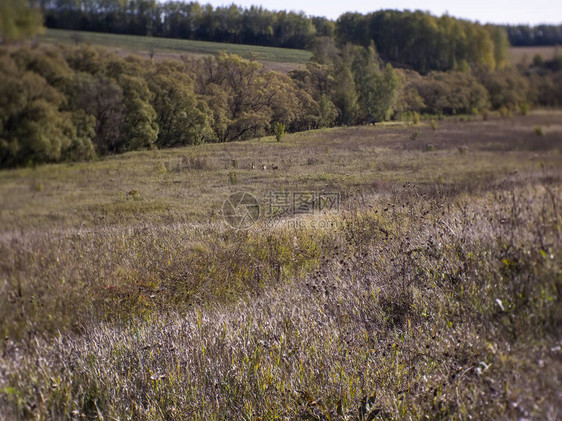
[241, 210]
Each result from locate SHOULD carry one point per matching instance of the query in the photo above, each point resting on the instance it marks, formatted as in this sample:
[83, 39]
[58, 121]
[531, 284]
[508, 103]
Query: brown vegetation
[434, 291]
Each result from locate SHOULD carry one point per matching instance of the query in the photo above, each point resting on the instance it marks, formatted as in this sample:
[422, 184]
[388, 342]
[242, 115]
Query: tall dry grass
[410, 304]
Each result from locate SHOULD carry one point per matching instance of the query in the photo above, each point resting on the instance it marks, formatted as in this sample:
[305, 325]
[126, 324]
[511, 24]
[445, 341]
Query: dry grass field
[519, 55]
[434, 291]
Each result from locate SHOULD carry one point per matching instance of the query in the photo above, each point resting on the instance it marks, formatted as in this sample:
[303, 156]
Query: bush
[279, 130]
[412, 117]
[507, 88]
[451, 93]
[505, 112]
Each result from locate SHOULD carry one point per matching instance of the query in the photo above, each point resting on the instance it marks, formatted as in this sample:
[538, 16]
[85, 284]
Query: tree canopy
[19, 20]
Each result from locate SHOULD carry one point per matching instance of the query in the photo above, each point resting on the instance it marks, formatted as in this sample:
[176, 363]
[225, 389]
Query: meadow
[432, 292]
[525, 55]
[280, 59]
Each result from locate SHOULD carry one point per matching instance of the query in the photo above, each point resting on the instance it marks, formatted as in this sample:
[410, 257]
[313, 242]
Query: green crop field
[176, 47]
[432, 290]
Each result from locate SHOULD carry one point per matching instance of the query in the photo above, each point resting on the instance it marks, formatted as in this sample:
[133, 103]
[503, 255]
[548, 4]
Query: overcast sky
[486, 11]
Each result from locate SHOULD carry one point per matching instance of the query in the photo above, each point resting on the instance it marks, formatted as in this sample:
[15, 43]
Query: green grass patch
[135, 43]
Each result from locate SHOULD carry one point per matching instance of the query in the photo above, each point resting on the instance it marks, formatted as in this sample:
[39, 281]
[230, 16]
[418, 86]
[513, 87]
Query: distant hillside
[165, 47]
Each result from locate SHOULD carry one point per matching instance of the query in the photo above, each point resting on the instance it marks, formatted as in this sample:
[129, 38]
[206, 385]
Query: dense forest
[75, 103]
[423, 42]
[525, 35]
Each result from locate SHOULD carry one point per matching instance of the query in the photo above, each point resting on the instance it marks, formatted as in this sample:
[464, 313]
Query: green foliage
[134, 194]
[386, 87]
[545, 86]
[182, 118]
[376, 89]
[140, 126]
[245, 98]
[19, 20]
[524, 108]
[75, 103]
[102, 98]
[501, 45]
[316, 85]
[328, 112]
[506, 88]
[426, 42]
[34, 125]
[505, 112]
[451, 93]
[279, 131]
[345, 93]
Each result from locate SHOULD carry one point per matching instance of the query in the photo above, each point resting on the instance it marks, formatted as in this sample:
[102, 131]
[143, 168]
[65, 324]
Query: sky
[530, 12]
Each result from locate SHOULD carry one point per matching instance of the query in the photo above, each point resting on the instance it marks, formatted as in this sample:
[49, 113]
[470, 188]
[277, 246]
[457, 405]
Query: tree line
[77, 103]
[525, 35]
[176, 19]
[413, 39]
[424, 42]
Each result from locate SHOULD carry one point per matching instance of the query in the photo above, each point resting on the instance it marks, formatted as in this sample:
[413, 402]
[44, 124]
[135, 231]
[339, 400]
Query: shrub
[279, 130]
[507, 88]
[191, 163]
[505, 112]
[160, 168]
[412, 117]
[135, 194]
[451, 93]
